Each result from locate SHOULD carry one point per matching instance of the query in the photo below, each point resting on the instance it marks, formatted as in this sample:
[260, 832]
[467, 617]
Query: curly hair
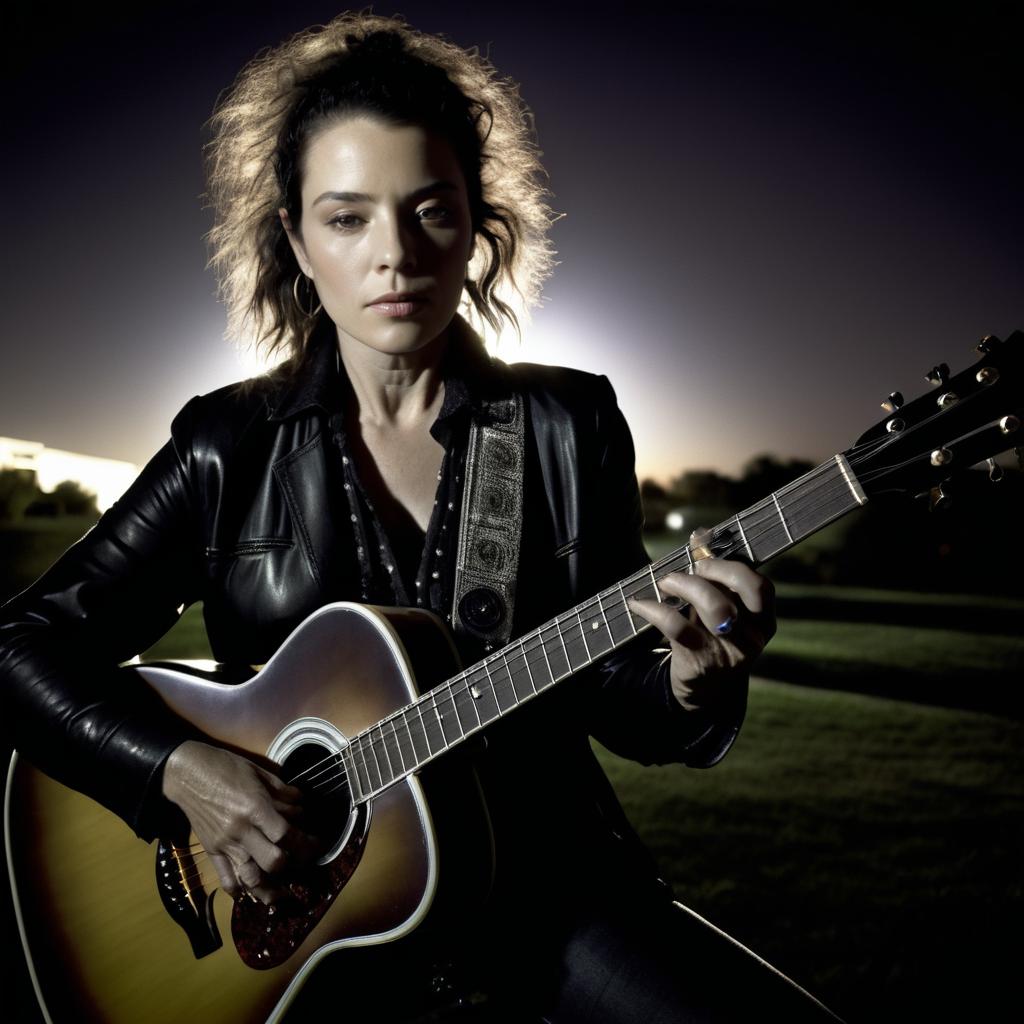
[364, 63]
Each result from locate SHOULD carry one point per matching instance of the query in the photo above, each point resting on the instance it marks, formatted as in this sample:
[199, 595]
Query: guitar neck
[462, 706]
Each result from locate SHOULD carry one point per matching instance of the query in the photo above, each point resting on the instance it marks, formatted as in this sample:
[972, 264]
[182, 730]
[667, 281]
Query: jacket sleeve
[632, 710]
[67, 707]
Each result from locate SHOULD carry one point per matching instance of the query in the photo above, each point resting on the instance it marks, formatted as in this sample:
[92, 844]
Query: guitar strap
[491, 524]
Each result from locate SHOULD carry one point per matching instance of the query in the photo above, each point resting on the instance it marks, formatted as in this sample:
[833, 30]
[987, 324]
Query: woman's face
[384, 210]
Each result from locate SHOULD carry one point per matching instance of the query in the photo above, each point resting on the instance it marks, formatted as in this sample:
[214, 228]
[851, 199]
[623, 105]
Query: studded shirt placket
[380, 578]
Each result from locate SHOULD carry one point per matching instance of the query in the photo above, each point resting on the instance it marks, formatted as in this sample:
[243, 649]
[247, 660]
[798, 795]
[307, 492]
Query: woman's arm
[632, 707]
[67, 706]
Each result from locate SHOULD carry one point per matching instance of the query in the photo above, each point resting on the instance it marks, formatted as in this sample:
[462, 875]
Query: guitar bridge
[190, 906]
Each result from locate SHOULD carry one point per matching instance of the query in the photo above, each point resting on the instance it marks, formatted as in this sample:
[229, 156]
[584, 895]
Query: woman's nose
[395, 244]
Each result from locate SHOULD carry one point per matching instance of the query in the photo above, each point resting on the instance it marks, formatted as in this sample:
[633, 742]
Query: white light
[675, 520]
[108, 479]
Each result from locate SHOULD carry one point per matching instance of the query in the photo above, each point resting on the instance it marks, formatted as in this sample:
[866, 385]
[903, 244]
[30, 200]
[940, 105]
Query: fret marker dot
[475, 691]
[593, 625]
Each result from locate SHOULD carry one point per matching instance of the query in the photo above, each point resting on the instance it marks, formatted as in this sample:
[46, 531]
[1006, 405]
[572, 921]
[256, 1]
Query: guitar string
[332, 759]
[193, 873]
[366, 737]
[382, 742]
[374, 741]
[834, 487]
[753, 525]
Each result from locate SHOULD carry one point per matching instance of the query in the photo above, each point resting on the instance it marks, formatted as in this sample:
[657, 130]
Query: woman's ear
[295, 241]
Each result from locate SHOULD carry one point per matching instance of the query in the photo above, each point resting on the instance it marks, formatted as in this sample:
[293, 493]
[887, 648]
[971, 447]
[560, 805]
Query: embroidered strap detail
[491, 524]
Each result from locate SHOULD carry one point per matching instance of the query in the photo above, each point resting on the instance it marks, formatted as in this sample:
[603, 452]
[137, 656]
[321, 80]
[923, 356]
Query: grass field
[870, 847]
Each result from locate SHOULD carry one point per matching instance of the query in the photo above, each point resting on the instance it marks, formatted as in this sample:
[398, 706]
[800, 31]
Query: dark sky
[776, 213]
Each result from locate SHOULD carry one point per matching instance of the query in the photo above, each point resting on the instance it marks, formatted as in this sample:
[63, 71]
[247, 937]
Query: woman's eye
[346, 220]
[436, 213]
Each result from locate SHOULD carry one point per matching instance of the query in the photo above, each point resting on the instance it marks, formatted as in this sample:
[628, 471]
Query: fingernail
[726, 626]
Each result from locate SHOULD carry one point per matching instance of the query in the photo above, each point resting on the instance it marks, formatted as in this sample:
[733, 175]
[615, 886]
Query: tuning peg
[995, 471]
[940, 496]
[938, 375]
[988, 344]
[893, 402]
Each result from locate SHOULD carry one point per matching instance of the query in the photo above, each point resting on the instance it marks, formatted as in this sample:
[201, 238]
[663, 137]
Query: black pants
[610, 960]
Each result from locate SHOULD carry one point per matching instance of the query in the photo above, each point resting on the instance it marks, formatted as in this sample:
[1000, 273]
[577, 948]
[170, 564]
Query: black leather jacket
[240, 510]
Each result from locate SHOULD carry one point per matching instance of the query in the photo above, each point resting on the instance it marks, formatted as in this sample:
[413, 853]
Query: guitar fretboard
[462, 706]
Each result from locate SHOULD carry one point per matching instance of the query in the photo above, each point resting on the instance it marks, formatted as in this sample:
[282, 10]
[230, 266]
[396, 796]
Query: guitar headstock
[965, 419]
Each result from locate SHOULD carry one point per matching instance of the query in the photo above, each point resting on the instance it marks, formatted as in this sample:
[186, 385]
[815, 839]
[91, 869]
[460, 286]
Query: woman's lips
[403, 308]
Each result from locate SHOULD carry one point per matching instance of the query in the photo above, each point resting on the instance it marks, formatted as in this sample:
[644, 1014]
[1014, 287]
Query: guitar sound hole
[327, 803]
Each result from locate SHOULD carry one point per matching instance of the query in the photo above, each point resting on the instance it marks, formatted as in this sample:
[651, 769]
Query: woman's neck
[394, 390]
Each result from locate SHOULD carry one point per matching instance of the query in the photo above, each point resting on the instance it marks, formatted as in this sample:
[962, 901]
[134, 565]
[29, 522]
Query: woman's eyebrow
[364, 197]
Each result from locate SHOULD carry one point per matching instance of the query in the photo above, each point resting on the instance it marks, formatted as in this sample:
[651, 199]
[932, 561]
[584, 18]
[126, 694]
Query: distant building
[106, 478]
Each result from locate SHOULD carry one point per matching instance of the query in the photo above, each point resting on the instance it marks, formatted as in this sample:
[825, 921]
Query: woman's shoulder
[562, 389]
[218, 419]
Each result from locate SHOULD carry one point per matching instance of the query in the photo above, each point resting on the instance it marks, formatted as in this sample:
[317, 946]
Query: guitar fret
[785, 525]
[601, 640]
[445, 708]
[526, 662]
[355, 787]
[485, 701]
[561, 637]
[575, 644]
[432, 726]
[583, 635]
[387, 756]
[743, 537]
[521, 692]
[557, 653]
[611, 639]
[417, 731]
[465, 708]
[398, 745]
[376, 765]
[629, 614]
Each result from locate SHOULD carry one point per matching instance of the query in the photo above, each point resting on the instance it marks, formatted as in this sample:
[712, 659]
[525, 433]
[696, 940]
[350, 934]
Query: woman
[366, 178]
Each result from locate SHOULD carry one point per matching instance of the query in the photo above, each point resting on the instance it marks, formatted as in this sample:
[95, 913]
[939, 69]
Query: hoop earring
[298, 303]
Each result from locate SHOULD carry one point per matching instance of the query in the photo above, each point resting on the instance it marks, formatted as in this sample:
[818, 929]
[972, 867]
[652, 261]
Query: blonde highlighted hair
[365, 63]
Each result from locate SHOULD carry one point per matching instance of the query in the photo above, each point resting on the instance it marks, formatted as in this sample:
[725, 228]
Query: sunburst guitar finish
[116, 930]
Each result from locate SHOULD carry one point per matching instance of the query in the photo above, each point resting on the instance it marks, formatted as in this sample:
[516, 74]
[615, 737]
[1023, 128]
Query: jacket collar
[471, 377]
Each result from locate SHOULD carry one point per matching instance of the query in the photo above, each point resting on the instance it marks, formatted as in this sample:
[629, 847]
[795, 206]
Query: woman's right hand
[241, 814]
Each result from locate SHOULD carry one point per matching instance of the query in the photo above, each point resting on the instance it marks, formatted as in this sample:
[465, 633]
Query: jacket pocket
[569, 548]
[253, 546]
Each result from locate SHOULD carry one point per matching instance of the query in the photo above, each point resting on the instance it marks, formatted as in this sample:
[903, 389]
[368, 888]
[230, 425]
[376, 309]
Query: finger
[248, 874]
[270, 821]
[282, 791]
[290, 812]
[270, 857]
[713, 607]
[755, 591]
[666, 618]
[226, 873]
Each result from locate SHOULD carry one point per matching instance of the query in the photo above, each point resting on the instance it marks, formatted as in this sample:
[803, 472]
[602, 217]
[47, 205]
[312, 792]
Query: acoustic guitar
[117, 931]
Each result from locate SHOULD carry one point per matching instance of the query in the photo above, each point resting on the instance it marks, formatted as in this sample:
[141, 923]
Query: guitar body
[104, 943]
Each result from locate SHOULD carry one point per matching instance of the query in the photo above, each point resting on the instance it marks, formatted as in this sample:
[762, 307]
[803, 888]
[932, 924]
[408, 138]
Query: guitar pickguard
[266, 936]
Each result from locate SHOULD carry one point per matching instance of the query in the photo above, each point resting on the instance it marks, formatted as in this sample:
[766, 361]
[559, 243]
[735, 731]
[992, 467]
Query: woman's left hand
[731, 618]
